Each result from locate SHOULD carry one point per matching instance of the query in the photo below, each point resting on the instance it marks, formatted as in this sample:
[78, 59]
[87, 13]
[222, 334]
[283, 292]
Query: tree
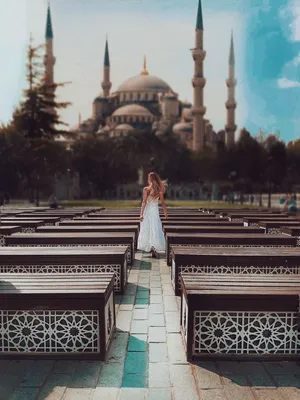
[101, 165]
[37, 120]
[37, 116]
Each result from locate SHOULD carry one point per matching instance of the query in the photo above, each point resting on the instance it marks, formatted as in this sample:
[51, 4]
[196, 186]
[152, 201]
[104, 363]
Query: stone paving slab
[146, 360]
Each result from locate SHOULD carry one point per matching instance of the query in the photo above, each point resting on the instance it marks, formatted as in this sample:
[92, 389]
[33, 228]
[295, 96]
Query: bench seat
[240, 317]
[67, 260]
[76, 239]
[56, 316]
[224, 239]
[240, 260]
[91, 228]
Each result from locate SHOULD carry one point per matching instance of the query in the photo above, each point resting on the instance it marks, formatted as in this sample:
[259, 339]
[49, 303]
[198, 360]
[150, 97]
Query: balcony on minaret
[198, 54]
[198, 110]
[231, 82]
[231, 127]
[230, 104]
[198, 81]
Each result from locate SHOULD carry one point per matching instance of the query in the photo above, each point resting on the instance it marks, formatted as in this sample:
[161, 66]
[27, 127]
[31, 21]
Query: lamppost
[37, 199]
[269, 175]
[232, 177]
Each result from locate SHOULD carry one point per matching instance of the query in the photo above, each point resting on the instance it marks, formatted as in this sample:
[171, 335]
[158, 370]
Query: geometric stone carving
[225, 332]
[2, 240]
[49, 331]
[184, 318]
[238, 269]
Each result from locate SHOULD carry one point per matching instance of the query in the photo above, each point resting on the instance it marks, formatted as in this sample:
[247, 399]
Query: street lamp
[270, 161]
[232, 177]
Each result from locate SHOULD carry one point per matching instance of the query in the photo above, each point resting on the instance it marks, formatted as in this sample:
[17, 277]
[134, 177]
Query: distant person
[53, 202]
[290, 204]
[151, 237]
[251, 199]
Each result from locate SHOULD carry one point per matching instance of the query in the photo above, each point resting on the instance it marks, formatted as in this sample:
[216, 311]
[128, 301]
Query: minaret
[106, 84]
[49, 59]
[231, 103]
[198, 109]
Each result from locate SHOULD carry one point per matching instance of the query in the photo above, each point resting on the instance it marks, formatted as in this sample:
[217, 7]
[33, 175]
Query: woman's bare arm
[163, 204]
[145, 195]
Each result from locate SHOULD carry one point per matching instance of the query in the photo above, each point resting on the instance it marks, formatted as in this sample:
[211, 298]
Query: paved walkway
[147, 360]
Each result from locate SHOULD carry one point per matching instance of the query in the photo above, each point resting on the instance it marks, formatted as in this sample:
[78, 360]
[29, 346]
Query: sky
[267, 50]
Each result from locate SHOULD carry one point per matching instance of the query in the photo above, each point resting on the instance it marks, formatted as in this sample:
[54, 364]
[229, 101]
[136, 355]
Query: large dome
[144, 83]
[132, 110]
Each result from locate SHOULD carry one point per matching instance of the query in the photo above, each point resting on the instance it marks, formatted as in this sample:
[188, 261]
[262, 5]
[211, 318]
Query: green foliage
[29, 156]
[36, 116]
[101, 163]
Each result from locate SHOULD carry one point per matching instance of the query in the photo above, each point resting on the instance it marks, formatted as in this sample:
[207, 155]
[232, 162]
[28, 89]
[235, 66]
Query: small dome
[187, 114]
[124, 127]
[132, 110]
[183, 127]
[144, 83]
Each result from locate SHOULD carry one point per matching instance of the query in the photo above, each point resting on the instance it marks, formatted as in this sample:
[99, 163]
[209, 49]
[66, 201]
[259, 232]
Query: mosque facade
[146, 103]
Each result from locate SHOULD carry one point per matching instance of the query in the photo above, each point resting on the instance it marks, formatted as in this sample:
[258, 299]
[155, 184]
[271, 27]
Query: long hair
[156, 185]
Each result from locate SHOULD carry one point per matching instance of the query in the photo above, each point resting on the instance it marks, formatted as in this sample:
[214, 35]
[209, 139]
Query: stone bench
[274, 227]
[67, 260]
[210, 229]
[60, 216]
[240, 317]
[91, 228]
[238, 260]
[104, 222]
[214, 222]
[223, 239]
[254, 221]
[75, 239]
[6, 231]
[46, 220]
[293, 231]
[56, 315]
[27, 226]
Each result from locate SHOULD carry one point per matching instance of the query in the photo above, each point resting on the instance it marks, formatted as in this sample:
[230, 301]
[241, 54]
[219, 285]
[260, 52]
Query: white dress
[151, 233]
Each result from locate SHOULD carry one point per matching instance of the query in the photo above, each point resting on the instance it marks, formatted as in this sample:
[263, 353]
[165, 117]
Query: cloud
[79, 39]
[284, 83]
[295, 25]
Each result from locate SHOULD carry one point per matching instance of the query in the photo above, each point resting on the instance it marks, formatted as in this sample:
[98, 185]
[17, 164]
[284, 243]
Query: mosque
[146, 103]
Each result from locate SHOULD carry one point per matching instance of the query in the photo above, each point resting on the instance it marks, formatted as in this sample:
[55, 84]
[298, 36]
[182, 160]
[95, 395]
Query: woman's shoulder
[146, 189]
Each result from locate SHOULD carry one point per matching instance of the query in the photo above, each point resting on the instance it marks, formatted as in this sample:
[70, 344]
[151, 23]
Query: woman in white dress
[151, 237]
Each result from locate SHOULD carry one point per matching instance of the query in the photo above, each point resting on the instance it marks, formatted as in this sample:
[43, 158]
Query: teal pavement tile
[136, 363]
[86, 375]
[127, 299]
[137, 343]
[142, 294]
[37, 373]
[24, 394]
[145, 265]
[111, 375]
[134, 381]
[140, 302]
[55, 386]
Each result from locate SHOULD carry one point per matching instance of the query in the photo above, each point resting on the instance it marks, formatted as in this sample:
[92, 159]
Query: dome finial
[145, 72]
